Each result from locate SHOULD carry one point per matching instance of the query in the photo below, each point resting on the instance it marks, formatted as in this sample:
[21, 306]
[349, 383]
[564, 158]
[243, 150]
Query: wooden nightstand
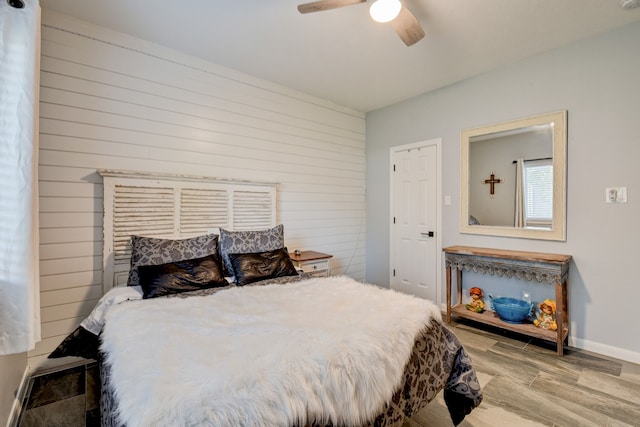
[312, 262]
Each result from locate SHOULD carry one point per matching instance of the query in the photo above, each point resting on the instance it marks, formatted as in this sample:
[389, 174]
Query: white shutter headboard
[172, 207]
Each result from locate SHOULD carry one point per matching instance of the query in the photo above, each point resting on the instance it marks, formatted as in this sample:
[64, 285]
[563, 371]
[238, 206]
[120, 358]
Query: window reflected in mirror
[534, 206]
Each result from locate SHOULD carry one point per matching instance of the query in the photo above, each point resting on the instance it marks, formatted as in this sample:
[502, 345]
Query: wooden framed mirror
[513, 178]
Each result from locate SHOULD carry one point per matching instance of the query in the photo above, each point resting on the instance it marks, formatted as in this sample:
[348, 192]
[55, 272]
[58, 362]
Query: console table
[546, 268]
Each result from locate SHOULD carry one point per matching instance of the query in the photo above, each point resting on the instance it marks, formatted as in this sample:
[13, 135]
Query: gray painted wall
[596, 81]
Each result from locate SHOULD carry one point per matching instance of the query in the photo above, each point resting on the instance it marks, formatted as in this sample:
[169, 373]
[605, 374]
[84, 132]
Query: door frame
[437, 142]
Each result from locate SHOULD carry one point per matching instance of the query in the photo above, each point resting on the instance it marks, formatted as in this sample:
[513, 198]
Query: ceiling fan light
[385, 10]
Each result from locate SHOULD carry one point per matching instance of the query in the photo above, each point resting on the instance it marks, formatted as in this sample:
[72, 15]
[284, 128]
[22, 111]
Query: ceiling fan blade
[408, 27]
[319, 6]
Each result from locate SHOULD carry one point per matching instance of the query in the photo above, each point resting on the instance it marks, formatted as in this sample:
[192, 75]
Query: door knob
[428, 234]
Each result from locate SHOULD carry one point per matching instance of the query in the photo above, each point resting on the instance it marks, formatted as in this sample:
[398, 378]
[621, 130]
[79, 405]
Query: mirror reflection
[514, 178]
[511, 178]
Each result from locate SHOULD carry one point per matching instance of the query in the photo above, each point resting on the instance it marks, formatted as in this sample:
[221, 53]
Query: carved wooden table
[541, 267]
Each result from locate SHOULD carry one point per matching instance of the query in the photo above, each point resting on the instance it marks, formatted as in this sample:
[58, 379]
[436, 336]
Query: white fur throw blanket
[276, 355]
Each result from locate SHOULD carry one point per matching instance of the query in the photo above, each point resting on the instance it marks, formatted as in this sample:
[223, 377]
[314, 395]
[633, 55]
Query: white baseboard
[606, 350]
[16, 409]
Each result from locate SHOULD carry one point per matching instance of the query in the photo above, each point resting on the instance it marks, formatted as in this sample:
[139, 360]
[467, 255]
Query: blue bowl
[511, 310]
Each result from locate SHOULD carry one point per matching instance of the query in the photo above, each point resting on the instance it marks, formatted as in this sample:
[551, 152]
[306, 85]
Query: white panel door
[414, 255]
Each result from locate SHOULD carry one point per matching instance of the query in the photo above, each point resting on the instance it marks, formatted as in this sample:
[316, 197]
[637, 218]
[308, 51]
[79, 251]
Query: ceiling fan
[403, 21]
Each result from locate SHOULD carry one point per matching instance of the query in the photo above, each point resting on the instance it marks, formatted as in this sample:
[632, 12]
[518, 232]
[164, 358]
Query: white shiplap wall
[110, 101]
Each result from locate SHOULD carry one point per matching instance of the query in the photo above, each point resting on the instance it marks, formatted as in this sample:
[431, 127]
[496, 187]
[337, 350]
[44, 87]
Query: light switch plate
[616, 194]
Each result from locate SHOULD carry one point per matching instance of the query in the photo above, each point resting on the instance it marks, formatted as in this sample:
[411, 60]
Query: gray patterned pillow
[242, 242]
[154, 251]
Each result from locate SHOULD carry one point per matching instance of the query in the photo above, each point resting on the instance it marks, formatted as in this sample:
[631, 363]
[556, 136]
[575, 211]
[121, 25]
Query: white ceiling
[345, 57]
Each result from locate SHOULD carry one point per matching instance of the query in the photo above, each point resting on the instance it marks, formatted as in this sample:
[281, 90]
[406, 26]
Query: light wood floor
[526, 384]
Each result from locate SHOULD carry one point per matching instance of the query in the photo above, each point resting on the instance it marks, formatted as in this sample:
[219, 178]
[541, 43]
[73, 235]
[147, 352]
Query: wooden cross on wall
[492, 181]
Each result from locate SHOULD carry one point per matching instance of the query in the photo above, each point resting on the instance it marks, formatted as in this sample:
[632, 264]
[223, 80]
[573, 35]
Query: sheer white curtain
[19, 90]
[519, 220]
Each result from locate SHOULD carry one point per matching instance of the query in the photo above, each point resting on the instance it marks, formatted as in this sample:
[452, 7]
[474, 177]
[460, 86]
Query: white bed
[281, 350]
[184, 344]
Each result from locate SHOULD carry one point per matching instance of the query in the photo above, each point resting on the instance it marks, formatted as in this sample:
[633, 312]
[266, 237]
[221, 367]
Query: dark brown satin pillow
[252, 267]
[181, 276]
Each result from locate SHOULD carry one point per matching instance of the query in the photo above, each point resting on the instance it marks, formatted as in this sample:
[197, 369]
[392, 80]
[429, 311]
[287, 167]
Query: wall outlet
[616, 194]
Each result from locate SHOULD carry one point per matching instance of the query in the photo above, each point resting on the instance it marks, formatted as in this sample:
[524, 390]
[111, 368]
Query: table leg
[561, 316]
[448, 270]
[459, 284]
